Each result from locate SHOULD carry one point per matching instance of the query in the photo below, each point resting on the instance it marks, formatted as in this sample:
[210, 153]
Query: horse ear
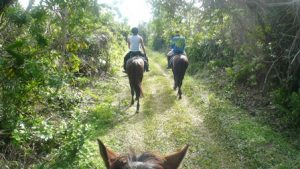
[107, 155]
[173, 161]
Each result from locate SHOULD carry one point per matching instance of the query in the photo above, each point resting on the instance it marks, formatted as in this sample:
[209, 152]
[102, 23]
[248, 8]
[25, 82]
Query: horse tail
[182, 72]
[137, 84]
[181, 69]
[135, 78]
[140, 90]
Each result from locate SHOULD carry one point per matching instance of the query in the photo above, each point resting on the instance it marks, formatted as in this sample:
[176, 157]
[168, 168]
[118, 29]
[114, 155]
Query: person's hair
[177, 32]
[135, 30]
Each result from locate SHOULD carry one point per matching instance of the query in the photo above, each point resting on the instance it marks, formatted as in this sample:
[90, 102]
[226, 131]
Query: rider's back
[178, 44]
[134, 42]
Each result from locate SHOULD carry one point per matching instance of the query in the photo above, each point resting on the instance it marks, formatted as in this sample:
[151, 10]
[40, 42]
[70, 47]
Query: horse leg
[179, 92]
[179, 87]
[175, 82]
[132, 96]
[138, 106]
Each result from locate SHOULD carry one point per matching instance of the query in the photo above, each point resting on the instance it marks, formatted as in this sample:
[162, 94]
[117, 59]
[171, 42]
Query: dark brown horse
[135, 72]
[146, 160]
[180, 64]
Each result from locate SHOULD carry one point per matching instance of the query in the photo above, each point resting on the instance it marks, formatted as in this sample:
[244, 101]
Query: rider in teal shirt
[178, 44]
[177, 47]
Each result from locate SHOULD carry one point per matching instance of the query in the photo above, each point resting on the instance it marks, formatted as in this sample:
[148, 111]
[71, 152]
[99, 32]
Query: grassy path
[220, 133]
[165, 124]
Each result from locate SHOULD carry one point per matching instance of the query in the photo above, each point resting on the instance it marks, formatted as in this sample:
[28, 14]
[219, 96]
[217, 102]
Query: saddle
[139, 54]
[136, 53]
[172, 58]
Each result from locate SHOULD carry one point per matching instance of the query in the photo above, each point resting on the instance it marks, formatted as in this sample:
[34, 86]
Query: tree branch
[295, 56]
[30, 3]
[269, 71]
[282, 3]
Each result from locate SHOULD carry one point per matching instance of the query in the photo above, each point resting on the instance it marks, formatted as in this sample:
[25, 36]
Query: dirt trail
[165, 124]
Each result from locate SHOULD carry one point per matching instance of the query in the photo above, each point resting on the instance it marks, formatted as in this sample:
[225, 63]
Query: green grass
[184, 124]
[220, 134]
[100, 112]
[257, 145]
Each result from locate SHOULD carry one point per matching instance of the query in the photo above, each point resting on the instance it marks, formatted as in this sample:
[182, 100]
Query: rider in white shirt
[135, 42]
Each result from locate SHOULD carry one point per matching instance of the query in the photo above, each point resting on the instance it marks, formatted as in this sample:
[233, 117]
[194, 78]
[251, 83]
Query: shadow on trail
[159, 101]
[104, 118]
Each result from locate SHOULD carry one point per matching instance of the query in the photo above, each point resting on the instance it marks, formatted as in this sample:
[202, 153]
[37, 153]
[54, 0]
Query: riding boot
[124, 66]
[127, 56]
[124, 63]
[146, 66]
[169, 66]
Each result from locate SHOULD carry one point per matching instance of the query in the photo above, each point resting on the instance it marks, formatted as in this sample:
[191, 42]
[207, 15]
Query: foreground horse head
[113, 160]
[180, 64]
[135, 72]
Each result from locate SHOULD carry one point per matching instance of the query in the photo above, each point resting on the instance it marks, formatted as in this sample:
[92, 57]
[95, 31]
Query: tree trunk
[31, 2]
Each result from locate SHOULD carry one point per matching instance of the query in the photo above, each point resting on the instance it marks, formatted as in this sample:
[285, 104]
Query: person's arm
[128, 42]
[142, 44]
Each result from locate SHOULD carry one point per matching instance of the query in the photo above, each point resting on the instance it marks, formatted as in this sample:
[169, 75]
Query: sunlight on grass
[258, 145]
[220, 134]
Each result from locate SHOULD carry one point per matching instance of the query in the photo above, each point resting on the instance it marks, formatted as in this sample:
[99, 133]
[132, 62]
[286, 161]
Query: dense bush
[288, 107]
[44, 51]
[255, 42]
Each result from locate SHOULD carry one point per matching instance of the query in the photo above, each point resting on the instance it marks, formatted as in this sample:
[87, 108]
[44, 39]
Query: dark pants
[169, 61]
[136, 53]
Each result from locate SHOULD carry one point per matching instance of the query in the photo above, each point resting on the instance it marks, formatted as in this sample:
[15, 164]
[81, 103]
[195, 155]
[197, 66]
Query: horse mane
[145, 160]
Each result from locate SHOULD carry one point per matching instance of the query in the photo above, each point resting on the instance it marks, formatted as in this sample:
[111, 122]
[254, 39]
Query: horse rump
[180, 64]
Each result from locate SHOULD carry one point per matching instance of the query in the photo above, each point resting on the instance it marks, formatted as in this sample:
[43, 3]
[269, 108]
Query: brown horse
[135, 72]
[145, 160]
[180, 64]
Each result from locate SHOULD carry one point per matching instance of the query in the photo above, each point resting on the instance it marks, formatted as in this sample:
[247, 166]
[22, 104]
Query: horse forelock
[142, 161]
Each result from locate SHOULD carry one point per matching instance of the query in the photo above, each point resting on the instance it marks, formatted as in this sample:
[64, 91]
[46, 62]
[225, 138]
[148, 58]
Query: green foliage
[102, 116]
[288, 107]
[245, 72]
[46, 53]
[18, 16]
[255, 44]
